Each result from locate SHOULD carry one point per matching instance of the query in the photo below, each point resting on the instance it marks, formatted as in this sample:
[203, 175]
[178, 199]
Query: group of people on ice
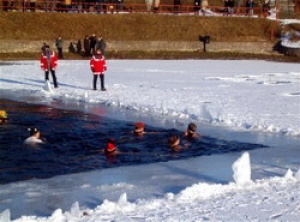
[98, 66]
[49, 63]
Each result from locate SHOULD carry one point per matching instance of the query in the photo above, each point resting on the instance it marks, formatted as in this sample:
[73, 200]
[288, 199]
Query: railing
[101, 8]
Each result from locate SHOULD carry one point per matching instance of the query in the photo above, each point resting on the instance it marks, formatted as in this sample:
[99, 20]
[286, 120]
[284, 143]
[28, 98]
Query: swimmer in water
[191, 133]
[34, 137]
[3, 116]
[111, 148]
[139, 129]
[174, 143]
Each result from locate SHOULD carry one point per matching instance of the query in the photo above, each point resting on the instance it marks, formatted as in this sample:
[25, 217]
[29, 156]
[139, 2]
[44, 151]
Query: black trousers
[32, 6]
[5, 5]
[101, 79]
[53, 77]
[60, 53]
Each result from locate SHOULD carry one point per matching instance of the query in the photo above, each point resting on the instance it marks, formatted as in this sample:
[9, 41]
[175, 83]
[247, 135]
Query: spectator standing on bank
[149, 4]
[79, 46]
[99, 6]
[239, 5]
[230, 5]
[51, 5]
[44, 47]
[59, 46]
[249, 6]
[101, 44]
[80, 4]
[266, 8]
[197, 6]
[226, 6]
[98, 67]
[119, 5]
[86, 45]
[32, 4]
[204, 6]
[177, 4]
[49, 63]
[5, 5]
[93, 41]
[156, 5]
[68, 5]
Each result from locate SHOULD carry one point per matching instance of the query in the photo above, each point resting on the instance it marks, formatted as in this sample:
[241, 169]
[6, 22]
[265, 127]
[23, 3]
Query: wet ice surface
[74, 143]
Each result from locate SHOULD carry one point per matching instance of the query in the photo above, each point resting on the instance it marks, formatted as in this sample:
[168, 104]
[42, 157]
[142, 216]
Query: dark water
[75, 141]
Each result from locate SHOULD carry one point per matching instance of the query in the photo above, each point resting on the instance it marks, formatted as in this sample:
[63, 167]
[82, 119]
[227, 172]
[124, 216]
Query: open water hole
[75, 140]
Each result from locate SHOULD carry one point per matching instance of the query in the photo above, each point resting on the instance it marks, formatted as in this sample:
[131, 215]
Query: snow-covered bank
[247, 96]
[290, 38]
[276, 198]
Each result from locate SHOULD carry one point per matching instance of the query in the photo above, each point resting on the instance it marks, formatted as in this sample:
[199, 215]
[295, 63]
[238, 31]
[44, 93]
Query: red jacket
[52, 61]
[98, 64]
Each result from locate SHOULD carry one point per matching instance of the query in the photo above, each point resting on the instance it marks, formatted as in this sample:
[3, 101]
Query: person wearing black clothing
[101, 44]
[59, 46]
[93, 41]
[197, 6]
[86, 46]
[5, 5]
[177, 4]
[230, 5]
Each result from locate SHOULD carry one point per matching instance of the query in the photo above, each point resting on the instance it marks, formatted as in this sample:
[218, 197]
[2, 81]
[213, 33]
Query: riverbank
[142, 36]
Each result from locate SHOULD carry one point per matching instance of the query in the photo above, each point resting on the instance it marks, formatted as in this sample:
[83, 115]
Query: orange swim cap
[139, 124]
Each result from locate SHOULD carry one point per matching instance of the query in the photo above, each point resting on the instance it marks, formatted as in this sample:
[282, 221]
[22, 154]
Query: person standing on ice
[98, 67]
[59, 45]
[49, 63]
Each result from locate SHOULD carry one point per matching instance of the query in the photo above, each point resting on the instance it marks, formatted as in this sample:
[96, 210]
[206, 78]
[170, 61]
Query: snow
[242, 169]
[251, 101]
[291, 39]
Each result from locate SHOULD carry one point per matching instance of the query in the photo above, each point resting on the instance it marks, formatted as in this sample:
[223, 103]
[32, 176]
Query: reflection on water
[75, 141]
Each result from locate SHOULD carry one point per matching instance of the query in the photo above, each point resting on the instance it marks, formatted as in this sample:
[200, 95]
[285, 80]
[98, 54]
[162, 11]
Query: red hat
[111, 145]
[139, 124]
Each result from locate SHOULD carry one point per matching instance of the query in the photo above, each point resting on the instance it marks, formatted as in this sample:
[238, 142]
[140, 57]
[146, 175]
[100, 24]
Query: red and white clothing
[98, 64]
[48, 60]
[48, 64]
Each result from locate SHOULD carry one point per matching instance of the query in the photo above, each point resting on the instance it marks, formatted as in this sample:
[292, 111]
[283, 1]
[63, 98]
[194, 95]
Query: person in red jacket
[98, 67]
[49, 63]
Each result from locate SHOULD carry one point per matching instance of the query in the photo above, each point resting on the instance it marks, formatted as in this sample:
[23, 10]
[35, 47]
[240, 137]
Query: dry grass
[138, 26]
[135, 26]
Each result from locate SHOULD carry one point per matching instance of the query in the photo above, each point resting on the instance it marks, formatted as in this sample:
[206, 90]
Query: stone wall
[17, 46]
